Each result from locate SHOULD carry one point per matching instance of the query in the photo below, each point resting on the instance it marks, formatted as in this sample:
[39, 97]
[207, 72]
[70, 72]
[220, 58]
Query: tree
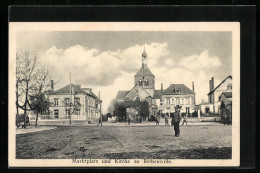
[32, 80]
[39, 104]
[141, 106]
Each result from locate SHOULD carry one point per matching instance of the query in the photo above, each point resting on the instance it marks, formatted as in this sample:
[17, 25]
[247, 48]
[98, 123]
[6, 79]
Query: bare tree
[32, 80]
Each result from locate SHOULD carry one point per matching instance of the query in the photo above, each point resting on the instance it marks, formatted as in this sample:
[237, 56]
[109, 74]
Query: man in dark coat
[176, 120]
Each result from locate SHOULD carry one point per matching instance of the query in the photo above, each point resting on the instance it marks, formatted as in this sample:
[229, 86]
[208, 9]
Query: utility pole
[101, 118]
[70, 100]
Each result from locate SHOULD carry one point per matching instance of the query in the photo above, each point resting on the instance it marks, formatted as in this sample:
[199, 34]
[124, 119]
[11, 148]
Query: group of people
[176, 119]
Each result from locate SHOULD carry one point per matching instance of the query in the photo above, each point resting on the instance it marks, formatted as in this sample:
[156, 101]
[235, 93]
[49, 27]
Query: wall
[62, 106]
[173, 102]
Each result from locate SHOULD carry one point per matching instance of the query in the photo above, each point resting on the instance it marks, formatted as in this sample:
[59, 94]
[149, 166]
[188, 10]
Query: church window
[137, 98]
[140, 83]
[146, 83]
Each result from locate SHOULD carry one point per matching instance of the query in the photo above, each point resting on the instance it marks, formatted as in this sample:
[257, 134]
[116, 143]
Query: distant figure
[129, 120]
[185, 120]
[166, 118]
[99, 121]
[157, 121]
[176, 120]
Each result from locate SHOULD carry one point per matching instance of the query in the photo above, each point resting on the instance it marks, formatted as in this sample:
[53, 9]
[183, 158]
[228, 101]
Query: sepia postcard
[124, 94]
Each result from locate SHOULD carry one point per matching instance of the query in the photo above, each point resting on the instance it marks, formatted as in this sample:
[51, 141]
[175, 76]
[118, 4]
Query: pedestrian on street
[129, 120]
[185, 119]
[99, 121]
[176, 120]
[166, 120]
[156, 121]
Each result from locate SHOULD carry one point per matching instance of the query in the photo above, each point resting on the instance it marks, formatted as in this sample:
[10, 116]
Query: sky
[108, 61]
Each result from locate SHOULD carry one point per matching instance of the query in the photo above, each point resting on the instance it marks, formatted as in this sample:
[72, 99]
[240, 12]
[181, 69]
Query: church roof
[144, 72]
[121, 94]
[220, 84]
[183, 89]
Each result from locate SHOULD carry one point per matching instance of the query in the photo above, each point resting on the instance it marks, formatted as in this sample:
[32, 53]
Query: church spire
[144, 60]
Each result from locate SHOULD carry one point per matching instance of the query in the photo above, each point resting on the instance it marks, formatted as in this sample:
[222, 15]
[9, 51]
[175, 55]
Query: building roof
[157, 94]
[183, 89]
[144, 72]
[66, 90]
[76, 90]
[227, 94]
[219, 84]
[121, 94]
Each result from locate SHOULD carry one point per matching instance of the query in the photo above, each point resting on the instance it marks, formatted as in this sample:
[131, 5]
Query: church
[162, 101]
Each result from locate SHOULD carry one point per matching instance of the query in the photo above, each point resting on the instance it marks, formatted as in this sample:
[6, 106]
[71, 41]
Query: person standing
[129, 120]
[100, 121]
[176, 120]
[166, 120]
[185, 119]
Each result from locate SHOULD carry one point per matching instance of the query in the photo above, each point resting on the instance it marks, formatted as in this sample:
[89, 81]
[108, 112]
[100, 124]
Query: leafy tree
[141, 106]
[39, 104]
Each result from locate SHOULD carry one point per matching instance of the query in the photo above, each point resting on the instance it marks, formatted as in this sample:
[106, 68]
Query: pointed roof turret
[144, 55]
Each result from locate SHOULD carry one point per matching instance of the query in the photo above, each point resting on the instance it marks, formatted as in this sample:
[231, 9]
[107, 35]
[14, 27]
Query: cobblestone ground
[196, 142]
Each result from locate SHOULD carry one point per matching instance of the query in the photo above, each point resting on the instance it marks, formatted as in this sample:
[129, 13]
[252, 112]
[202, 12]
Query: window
[66, 101]
[187, 100]
[140, 83]
[56, 113]
[229, 87]
[56, 102]
[67, 112]
[77, 100]
[177, 100]
[77, 111]
[168, 100]
[146, 83]
[177, 90]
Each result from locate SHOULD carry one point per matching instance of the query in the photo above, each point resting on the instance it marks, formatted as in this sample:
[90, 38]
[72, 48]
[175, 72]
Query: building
[214, 95]
[88, 104]
[162, 101]
[225, 98]
[178, 94]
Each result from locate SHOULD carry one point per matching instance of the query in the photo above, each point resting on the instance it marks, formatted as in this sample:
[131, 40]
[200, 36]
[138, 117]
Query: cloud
[92, 67]
[202, 61]
[169, 62]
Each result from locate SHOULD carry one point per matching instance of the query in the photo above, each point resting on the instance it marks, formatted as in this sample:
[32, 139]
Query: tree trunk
[17, 108]
[24, 117]
[36, 120]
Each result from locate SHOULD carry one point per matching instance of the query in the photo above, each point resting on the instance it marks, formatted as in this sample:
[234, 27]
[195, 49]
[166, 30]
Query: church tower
[144, 77]
[144, 60]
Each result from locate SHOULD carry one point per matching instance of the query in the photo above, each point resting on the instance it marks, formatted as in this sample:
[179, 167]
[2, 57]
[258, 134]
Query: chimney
[193, 87]
[212, 83]
[99, 94]
[161, 87]
[52, 85]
